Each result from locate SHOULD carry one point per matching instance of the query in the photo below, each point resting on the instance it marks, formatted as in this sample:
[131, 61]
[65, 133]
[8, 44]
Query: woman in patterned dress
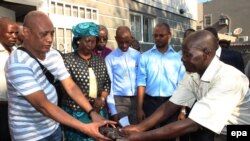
[90, 74]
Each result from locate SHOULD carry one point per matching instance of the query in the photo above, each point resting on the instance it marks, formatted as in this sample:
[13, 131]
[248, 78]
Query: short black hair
[165, 25]
[187, 32]
[213, 31]
[225, 42]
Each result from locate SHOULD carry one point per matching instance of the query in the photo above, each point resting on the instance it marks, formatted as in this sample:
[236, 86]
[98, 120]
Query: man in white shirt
[8, 37]
[221, 93]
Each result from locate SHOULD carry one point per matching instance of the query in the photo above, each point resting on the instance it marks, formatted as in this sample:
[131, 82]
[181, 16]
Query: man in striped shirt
[33, 111]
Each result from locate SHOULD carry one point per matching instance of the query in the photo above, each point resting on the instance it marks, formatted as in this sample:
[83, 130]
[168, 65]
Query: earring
[78, 42]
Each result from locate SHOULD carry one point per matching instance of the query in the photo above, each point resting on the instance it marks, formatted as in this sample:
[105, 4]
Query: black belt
[220, 137]
[157, 97]
[3, 102]
[125, 96]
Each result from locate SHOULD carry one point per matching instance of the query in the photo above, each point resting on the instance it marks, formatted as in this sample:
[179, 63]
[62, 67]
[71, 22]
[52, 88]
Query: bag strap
[46, 72]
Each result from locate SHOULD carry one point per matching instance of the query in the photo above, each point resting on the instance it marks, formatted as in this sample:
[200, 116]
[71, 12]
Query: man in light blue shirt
[159, 72]
[122, 65]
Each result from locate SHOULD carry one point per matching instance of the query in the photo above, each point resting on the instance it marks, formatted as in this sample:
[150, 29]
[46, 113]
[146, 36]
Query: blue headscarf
[84, 29]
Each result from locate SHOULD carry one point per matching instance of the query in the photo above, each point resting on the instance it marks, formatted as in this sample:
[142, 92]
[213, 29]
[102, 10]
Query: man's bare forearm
[168, 131]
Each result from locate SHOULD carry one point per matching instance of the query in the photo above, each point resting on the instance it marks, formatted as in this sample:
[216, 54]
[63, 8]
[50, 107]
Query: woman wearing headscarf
[90, 73]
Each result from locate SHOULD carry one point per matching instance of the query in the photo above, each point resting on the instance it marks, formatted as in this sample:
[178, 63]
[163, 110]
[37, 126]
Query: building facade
[229, 17]
[140, 15]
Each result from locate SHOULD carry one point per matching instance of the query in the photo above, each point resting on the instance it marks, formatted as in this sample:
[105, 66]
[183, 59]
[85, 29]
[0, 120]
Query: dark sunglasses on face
[103, 38]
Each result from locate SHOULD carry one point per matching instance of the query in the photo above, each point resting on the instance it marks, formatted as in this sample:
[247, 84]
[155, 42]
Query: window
[198, 28]
[207, 20]
[142, 27]
[66, 9]
[243, 38]
[64, 16]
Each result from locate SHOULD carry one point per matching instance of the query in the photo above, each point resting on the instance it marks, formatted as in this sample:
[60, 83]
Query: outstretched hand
[92, 129]
[131, 133]
[97, 118]
[131, 129]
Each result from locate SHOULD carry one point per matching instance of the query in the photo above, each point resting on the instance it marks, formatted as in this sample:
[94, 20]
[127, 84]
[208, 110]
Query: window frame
[67, 15]
[142, 17]
[205, 20]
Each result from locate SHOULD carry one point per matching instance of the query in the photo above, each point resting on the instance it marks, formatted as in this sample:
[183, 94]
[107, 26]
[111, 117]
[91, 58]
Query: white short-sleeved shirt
[24, 77]
[222, 96]
[4, 54]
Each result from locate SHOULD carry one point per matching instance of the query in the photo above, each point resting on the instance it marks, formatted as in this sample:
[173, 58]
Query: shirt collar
[122, 52]
[2, 49]
[211, 70]
[218, 51]
[170, 49]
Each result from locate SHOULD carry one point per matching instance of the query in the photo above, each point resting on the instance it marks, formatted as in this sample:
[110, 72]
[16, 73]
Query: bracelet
[90, 111]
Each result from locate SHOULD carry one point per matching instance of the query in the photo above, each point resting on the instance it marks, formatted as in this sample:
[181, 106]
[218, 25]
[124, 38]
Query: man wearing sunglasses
[160, 70]
[101, 49]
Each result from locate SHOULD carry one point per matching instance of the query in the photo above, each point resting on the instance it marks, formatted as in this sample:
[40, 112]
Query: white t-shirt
[4, 54]
[25, 76]
[222, 96]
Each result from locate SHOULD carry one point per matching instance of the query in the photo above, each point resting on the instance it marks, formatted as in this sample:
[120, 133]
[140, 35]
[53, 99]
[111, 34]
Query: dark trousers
[202, 135]
[151, 104]
[220, 137]
[206, 135]
[4, 124]
[126, 106]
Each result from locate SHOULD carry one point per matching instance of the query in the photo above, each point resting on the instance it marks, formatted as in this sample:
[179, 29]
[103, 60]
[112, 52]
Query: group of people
[143, 93]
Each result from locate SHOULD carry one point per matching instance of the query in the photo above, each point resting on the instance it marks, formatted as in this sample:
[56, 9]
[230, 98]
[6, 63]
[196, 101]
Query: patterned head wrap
[84, 29]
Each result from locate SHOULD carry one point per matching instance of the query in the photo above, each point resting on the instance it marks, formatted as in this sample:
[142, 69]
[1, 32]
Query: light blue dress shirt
[160, 72]
[122, 68]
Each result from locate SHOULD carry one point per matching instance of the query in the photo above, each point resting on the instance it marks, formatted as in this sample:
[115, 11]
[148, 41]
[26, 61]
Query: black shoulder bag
[49, 76]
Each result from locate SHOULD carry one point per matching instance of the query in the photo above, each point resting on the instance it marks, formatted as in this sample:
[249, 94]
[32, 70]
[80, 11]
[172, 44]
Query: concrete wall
[4, 12]
[114, 13]
[237, 12]
[200, 15]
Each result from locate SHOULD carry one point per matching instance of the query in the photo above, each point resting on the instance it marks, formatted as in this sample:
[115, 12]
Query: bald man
[33, 110]
[122, 64]
[220, 91]
[8, 38]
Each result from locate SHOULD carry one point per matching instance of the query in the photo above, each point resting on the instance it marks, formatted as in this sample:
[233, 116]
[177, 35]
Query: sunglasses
[103, 38]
